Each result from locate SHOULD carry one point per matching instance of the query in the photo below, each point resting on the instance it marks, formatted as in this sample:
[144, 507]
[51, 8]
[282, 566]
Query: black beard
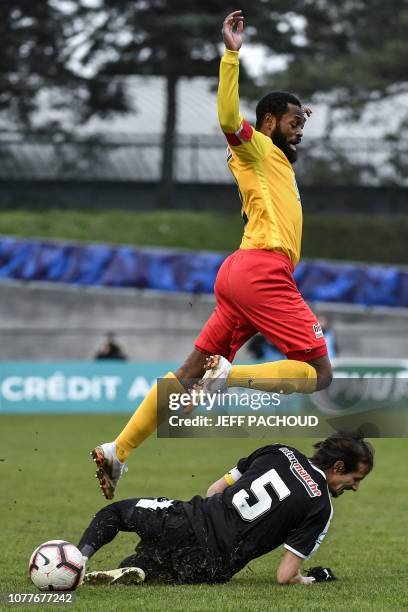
[280, 141]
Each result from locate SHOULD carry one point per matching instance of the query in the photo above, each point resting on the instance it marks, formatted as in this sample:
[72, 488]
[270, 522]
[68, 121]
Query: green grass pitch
[48, 491]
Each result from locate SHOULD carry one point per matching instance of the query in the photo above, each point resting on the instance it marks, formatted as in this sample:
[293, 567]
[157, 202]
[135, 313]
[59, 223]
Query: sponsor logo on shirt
[318, 330]
[301, 474]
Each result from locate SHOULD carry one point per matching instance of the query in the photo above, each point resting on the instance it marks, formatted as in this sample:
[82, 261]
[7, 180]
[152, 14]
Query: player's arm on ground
[247, 143]
[302, 543]
[288, 571]
[226, 481]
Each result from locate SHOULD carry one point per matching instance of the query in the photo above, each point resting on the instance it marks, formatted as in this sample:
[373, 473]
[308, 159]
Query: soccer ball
[56, 566]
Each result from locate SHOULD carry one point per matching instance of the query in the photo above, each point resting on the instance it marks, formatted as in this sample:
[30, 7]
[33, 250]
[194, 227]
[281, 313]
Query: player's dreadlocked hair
[349, 447]
[275, 103]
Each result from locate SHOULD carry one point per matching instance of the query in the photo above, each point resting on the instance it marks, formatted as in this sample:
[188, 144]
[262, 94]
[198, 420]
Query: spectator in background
[110, 349]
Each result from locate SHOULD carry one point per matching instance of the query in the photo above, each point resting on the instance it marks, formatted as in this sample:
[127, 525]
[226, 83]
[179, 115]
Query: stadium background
[116, 219]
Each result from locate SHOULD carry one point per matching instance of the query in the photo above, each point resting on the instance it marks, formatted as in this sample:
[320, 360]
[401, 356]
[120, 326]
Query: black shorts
[168, 550]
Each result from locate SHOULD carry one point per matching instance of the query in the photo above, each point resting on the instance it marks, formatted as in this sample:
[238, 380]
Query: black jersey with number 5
[278, 498]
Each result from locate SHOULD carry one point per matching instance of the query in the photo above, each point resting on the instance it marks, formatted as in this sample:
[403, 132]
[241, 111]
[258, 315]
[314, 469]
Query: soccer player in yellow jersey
[255, 290]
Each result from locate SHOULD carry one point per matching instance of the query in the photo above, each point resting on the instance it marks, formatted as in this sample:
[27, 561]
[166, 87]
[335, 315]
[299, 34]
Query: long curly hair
[347, 446]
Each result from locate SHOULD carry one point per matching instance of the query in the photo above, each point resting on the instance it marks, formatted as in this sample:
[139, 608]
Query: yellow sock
[144, 421]
[285, 376]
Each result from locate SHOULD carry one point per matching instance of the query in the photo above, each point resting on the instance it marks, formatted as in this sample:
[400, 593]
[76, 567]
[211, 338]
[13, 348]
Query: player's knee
[324, 376]
[192, 369]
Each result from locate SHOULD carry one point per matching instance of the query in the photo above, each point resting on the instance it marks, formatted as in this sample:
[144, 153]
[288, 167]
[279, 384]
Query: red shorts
[255, 292]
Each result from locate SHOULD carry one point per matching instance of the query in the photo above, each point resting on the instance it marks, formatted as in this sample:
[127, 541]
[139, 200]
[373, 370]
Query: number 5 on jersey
[250, 513]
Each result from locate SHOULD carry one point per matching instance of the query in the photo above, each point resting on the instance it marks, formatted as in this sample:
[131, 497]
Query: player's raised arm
[228, 99]
[248, 144]
[232, 30]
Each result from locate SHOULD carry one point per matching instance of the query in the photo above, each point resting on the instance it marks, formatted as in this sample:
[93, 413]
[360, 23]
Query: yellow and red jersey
[266, 181]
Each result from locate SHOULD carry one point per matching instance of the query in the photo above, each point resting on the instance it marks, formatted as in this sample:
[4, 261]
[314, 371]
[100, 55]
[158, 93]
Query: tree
[352, 56]
[36, 46]
[29, 35]
[169, 38]
[81, 52]
[355, 50]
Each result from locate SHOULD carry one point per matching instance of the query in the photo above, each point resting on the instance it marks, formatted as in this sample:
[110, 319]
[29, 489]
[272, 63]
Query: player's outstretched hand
[321, 574]
[232, 30]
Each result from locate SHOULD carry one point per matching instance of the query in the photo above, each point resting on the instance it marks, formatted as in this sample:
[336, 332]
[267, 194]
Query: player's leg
[263, 291]
[324, 372]
[138, 515]
[105, 526]
[167, 552]
[304, 370]
[110, 457]
[144, 421]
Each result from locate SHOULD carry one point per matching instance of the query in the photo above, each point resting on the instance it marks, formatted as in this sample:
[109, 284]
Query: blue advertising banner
[76, 386]
[119, 387]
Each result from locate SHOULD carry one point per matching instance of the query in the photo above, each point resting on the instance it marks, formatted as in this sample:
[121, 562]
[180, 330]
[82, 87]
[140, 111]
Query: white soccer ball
[56, 566]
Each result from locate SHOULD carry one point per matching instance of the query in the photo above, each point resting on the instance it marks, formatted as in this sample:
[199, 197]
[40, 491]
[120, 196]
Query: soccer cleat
[110, 469]
[215, 378]
[123, 575]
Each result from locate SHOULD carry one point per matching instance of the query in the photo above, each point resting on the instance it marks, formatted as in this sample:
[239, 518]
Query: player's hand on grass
[232, 30]
[321, 574]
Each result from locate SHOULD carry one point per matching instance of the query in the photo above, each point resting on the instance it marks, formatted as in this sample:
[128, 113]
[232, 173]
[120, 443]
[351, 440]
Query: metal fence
[197, 159]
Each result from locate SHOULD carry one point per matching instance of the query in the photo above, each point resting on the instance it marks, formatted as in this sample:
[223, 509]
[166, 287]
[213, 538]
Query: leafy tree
[81, 51]
[169, 38]
[355, 49]
[29, 35]
[37, 40]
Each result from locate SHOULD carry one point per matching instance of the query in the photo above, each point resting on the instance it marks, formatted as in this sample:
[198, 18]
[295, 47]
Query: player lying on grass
[255, 290]
[275, 496]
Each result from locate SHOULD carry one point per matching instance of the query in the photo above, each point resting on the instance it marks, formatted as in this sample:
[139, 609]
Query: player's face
[339, 482]
[289, 131]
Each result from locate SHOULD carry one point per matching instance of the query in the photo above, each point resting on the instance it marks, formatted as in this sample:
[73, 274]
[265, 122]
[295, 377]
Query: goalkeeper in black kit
[274, 497]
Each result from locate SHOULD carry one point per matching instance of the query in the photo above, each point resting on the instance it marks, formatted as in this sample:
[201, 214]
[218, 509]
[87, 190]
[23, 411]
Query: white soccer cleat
[110, 469]
[123, 575]
[215, 378]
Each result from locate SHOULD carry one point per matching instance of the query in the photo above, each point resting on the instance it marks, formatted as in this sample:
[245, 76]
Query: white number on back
[250, 513]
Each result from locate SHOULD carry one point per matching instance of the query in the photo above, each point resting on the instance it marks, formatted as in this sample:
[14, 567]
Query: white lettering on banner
[35, 388]
[55, 387]
[79, 388]
[111, 383]
[139, 388]
[59, 388]
[10, 393]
